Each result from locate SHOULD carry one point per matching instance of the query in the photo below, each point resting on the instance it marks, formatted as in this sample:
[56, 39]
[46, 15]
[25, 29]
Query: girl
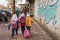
[22, 21]
[28, 21]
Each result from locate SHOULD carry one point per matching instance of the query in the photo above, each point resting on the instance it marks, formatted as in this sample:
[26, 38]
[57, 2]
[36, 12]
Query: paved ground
[36, 33]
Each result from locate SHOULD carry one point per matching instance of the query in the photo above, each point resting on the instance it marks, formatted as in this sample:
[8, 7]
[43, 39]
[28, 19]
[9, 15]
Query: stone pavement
[36, 33]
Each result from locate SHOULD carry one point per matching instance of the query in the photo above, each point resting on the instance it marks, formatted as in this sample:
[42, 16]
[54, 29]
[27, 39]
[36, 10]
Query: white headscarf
[21, 15]
[14, 17]
[28, 14]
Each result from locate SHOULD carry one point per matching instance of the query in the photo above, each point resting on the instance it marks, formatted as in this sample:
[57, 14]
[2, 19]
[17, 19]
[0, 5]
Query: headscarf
[22, 15]
[28, 14]
[14, 17]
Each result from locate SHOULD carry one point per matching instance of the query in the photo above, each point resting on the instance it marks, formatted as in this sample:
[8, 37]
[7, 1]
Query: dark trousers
[8, 26]
[28, 27]
[16, 30]
[22, 29]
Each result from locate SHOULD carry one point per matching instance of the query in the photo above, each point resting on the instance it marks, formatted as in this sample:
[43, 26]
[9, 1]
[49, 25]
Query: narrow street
[46, 15]
[36, 33]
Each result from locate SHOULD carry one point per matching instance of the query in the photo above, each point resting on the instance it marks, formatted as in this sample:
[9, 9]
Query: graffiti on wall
[47, 9]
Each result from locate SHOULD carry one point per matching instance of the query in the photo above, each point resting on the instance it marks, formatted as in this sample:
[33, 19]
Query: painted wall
[48, 11]
[35, 12]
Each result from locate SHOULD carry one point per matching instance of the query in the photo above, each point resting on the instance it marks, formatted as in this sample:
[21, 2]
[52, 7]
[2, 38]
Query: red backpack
[22, 19]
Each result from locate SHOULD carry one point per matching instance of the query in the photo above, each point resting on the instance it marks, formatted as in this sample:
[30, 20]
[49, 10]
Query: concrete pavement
[36, 33]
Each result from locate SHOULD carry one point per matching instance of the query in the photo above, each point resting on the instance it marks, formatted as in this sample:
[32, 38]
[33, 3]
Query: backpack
[22, 19]
[13, 24]
[27, 34]
[18, 22]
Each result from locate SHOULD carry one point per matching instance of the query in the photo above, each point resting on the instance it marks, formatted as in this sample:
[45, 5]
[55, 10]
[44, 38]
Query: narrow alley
[42, 16]
[36, 33]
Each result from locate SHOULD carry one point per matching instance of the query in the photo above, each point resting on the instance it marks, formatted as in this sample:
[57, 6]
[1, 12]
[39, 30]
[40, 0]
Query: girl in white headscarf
[14, 25]
[22, 21]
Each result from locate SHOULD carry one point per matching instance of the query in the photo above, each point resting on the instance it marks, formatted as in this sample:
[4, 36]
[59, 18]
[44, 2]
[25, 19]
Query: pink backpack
[13, 24]
[18, 19]
[27, 34]
[18, 23]
[22, 19]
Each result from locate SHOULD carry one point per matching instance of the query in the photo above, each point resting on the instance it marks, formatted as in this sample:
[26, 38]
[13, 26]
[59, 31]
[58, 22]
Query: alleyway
[36, 33]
